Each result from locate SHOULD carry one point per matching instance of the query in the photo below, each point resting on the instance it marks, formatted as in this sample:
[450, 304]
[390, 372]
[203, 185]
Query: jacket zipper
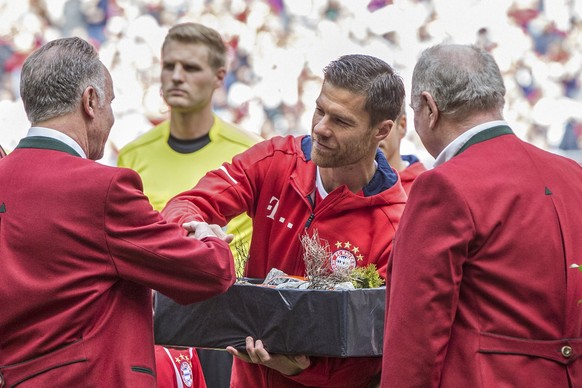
[309, 220]
[312, 215]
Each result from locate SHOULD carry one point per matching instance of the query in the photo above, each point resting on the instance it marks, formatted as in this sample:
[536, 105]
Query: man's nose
[321, 127]
[178, 72]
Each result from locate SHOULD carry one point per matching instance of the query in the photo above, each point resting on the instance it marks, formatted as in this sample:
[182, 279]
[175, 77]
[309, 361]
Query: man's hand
[257, 354]
[200, 230]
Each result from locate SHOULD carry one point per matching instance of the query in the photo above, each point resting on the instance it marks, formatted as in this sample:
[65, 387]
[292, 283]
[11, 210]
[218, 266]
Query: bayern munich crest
[185, 365]
[345, 256]
[186, 373]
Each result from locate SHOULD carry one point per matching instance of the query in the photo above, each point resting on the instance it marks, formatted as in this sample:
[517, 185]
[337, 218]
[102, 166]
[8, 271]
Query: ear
[401, 126]
[433, 110]
[220, 74]
[89, 101]
[383, 129]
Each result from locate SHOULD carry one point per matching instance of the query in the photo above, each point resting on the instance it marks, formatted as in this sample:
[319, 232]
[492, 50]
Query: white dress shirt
[454, 146]
[53, 134]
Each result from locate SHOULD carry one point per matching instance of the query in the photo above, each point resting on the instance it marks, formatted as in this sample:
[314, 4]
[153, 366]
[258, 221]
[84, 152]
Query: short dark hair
[372, 77]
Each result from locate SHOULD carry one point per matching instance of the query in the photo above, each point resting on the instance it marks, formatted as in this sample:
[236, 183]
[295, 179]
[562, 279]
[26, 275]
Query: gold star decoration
[350, 247]
[182, 358]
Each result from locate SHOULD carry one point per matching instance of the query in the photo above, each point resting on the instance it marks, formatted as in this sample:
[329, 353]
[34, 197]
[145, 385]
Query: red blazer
[81, 249]
[481, 291]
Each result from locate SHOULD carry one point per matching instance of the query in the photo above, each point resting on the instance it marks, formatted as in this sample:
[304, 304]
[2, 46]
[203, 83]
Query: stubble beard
[339, 158]
[330, 159]
[357, 150]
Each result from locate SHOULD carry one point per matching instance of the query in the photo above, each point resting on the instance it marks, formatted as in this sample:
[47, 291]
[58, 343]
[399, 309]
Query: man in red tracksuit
[335, 182]
[409, 167]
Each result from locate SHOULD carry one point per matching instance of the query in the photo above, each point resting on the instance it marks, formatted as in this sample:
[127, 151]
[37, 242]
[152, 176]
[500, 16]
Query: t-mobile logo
[272, 208]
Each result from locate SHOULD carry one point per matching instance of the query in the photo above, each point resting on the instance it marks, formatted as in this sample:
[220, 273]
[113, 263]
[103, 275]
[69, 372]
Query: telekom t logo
[272, 208]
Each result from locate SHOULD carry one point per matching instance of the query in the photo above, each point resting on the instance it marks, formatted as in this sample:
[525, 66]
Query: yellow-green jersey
[165, 172]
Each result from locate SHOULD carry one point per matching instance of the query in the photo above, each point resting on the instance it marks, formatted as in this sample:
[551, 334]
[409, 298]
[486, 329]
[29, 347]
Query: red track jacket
[272, 182]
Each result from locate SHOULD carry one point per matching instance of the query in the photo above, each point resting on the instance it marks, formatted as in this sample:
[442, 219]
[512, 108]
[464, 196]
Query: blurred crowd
[279, 47]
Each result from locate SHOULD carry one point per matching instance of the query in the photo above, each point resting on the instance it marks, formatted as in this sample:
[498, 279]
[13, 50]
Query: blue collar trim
[411, 159]
[384, 177]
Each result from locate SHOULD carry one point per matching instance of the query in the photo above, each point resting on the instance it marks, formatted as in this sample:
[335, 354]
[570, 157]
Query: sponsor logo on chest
[272, 208]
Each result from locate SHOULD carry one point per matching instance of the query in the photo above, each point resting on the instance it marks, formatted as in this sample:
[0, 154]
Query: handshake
[200, 230]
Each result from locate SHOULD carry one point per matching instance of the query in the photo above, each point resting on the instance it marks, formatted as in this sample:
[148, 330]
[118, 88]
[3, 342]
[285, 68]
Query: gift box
[342, 323]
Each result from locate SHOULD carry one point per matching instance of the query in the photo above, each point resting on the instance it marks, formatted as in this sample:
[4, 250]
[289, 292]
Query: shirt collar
[453, 147]
[53, 134]
[384, 178]
[319, 183]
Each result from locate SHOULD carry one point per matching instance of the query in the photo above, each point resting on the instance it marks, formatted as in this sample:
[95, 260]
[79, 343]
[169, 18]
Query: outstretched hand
[257, 354]
[200, 230]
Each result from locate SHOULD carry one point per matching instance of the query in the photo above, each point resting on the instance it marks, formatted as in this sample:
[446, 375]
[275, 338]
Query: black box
[347, 323]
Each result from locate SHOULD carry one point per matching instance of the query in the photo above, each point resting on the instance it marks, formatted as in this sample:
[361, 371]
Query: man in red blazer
[81, 247]
[482, 292]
